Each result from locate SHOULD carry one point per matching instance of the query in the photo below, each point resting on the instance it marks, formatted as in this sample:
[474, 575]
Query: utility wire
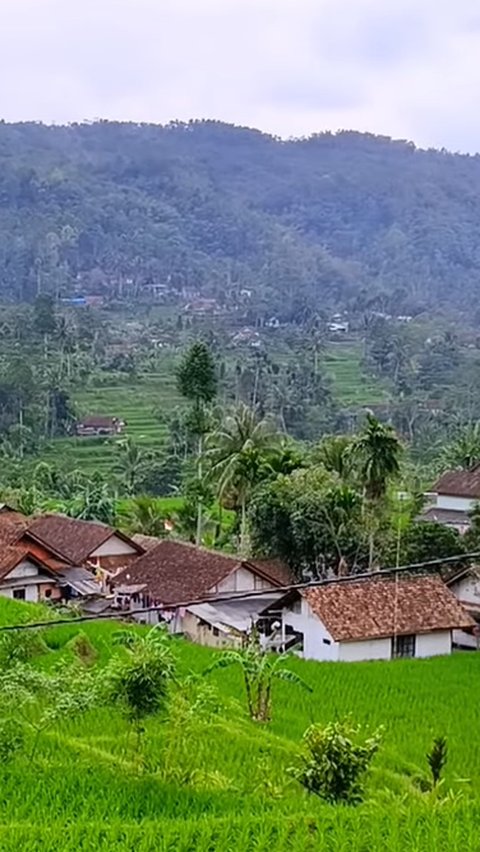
[245, 595]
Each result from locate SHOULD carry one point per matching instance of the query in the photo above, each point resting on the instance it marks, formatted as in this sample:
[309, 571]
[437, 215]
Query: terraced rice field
[351, 386]
[135, 401]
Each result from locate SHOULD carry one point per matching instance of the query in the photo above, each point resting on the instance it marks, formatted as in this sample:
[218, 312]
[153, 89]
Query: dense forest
[336, 220]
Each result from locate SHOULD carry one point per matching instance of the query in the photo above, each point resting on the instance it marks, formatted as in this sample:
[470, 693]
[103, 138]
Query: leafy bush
[335, 761]
[11, 739]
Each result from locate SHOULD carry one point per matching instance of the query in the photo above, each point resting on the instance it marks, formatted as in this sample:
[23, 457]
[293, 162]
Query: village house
[374, 619]
[75, 556]
[452, 497]
[465, 585]
[97, 426]
[85, 543]
[171, 574]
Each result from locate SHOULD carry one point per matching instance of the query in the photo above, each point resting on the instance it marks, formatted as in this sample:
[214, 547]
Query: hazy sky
[406, 68]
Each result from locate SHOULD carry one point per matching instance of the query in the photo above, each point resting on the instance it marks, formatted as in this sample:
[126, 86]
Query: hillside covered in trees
[336, 220]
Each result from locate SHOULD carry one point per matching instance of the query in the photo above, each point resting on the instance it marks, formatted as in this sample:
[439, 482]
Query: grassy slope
[351, 386]
[84, 792]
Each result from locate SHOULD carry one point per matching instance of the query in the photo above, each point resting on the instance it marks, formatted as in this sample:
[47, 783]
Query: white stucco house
[25, 577]
[374, 619]
[452, 497]
[465, 585]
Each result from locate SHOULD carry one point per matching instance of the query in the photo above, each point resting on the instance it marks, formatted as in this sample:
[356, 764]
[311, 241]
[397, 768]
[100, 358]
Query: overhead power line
[245, 595]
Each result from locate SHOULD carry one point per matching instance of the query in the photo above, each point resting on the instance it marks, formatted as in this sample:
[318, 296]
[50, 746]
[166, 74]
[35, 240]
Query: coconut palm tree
[237, 453]
[130, 465]
[464, 451]
[376, 451]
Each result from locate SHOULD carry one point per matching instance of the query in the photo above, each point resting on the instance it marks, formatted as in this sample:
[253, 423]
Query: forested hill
[324, 222]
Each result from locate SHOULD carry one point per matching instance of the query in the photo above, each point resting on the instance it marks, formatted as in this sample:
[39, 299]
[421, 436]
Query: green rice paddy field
[138, 400]
[219, 782]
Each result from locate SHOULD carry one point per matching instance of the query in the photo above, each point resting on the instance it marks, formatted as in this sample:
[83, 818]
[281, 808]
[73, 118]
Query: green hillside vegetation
[306, 224]
[210, 779]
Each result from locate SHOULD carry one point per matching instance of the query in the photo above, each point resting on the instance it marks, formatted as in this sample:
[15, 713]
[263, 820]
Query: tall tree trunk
[198, 536]
[243, 526]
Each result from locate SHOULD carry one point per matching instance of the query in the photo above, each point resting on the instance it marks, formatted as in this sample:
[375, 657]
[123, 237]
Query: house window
[216, 631]
[296, 606]
[19, 594]
[403, 646]
[327, 641]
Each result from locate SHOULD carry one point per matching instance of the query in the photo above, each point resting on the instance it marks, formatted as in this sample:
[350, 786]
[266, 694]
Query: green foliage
[335, 761]
[425, 540]
[196, 377]
[19, 646]
[12, 739]
[376, 452]
[140, 680]
[437, 758]
[310, 521]
[260, 669]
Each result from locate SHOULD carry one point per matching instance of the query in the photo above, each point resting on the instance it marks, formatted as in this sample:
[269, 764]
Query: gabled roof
[460, 483]
[175, 571]
[12, 556]
[98, 422]
[74, 538]
[372, 609]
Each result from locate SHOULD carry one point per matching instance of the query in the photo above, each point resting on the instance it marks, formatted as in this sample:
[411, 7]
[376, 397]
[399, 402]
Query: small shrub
[19, 646]
[437, 758]
[11, 739]
[83, 649]
[335, 761]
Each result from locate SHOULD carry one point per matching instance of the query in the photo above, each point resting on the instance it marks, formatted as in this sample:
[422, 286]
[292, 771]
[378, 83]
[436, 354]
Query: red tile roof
[176, 571]
[372, 609]
[460, 483]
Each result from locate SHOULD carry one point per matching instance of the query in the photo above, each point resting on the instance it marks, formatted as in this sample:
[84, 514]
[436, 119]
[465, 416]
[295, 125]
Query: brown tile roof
[460, 483]
[371, 609]
[272, 569]
[74, 538]
[12, 525]
[176, 571]
[146, 541]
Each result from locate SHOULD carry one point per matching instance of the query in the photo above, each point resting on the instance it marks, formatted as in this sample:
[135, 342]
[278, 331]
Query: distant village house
[96, 426]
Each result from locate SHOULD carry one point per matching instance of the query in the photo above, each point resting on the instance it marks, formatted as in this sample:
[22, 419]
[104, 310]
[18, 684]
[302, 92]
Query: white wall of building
[457, 504]
[114, 546]
[242, 580]
[433, 644]
[465, 640]
[24, 569]
[467, 590]
[367, 649]
[317, 642]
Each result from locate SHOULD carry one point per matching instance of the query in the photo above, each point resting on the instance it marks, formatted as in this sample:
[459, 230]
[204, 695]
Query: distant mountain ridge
[309, 224]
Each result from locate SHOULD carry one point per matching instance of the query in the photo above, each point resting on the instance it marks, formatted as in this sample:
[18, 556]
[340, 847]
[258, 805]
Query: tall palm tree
[130, 465]
[376, 452]
[238, 452]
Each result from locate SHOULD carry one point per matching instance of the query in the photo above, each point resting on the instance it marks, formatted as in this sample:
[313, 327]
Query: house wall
[317, 642]
[242, 580]
[24, 569]
[433, 644]
[467, 590]
[368, 649]
[114, 546]
[205, 634]
[459, 504]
